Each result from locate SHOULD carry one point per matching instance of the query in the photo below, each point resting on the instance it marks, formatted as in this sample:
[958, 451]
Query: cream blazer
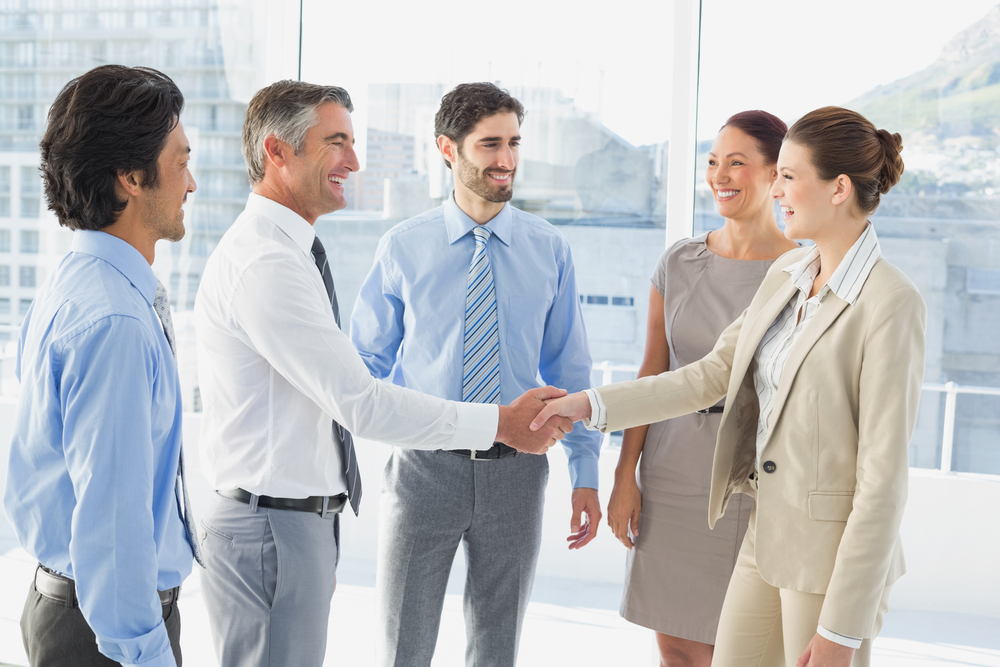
[827, 517]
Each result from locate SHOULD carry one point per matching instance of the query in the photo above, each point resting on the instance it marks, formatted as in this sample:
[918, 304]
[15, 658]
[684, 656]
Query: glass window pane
[27, 276]
[939, 224]
[29, 242]
[591, 156]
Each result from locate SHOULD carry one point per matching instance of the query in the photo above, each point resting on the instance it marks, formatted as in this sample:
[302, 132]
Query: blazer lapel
[827, 314]
[754, 332]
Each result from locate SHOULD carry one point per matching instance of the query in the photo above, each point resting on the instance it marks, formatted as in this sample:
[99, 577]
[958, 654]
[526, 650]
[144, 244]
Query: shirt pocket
[830, 505]
[526, 325]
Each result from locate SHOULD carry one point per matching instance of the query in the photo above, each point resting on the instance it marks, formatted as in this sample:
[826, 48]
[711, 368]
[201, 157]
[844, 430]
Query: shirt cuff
[477, 426]
[837, 638]
[598, 413]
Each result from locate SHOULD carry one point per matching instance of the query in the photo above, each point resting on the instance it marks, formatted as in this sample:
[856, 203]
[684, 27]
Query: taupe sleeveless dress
[678, 571]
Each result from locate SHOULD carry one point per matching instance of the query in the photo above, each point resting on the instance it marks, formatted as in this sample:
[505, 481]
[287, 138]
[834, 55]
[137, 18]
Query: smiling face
[807, 202]
[317, 172]
[739, 175]
[486, 161]
[161, 206]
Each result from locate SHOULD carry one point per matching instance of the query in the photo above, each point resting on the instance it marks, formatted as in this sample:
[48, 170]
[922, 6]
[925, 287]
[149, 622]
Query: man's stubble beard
[477, 182]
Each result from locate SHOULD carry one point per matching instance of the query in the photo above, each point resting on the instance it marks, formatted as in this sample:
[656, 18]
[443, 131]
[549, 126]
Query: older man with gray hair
[284, 389]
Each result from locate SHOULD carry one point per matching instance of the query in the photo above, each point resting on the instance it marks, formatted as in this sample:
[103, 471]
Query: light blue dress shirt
[409, 320]
[92, 481]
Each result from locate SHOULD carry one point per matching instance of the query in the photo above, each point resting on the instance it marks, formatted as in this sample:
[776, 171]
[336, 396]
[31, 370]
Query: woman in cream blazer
[831, 351]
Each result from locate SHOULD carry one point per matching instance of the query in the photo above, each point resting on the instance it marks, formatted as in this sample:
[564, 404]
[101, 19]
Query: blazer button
[769, 466]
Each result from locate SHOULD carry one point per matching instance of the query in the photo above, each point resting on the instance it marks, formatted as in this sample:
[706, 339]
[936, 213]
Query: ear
[129, 183]
[774, 173]
[276, 151]
[842, 192]
[448, 148]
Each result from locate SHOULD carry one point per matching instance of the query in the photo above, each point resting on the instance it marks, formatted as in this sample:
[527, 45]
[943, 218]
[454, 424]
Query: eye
[786, 177]
[515, 144]
[737, 163]
[490, 145]
[711, 163]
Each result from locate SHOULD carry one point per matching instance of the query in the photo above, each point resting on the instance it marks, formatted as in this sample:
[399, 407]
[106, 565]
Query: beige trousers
[764, 626]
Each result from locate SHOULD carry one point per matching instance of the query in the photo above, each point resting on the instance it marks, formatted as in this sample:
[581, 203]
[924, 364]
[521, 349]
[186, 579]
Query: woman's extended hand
[574, 407]
[623, 510]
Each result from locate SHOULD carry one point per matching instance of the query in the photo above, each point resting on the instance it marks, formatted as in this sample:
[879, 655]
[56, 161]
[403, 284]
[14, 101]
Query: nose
[776, 191]
[352, 159]
[722, 173]
[192, 186]
[507, 158]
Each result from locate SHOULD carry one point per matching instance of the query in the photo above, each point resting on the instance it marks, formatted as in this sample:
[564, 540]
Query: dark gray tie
[347, 453]
[161, 304]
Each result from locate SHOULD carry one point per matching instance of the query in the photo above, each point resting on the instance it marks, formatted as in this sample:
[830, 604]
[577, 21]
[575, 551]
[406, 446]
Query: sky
[615, 58]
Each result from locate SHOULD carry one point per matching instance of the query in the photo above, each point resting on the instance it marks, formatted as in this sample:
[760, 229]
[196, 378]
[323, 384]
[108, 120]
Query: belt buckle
[472, 455]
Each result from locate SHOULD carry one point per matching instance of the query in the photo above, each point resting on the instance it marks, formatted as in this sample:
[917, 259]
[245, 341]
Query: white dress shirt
[777, 343]
[274, 369]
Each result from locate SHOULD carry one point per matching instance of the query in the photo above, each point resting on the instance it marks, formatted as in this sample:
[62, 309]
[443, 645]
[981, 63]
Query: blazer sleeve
[694, 387]
[889, 393]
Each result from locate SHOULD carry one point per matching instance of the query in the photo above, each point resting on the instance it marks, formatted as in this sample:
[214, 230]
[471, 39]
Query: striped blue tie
[481, 381]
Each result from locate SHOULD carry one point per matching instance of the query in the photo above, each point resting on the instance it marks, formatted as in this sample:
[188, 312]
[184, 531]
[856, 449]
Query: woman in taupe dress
[678, 569]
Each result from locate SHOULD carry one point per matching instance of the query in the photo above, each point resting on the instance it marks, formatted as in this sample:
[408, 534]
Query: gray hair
[285, 109]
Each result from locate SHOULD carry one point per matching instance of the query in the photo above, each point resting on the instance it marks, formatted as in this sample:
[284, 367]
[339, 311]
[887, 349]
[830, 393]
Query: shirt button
[769, 466]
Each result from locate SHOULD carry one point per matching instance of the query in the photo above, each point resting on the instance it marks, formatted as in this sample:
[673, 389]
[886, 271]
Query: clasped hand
[513, 429]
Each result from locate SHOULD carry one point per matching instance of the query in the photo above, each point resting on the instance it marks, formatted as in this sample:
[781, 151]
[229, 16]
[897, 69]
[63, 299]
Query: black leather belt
[318, 504]
[714, 410]
[497, 451]
[63, 590]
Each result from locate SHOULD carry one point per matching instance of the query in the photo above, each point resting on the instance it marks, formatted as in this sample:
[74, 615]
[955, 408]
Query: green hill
[956, 96]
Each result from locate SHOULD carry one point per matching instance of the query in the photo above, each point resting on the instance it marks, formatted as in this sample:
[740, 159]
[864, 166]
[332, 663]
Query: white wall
[951, 531]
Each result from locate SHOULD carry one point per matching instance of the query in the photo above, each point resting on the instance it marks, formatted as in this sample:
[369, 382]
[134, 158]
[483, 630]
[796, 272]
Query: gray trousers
[56, 634]
[432, 501]
[268, 583]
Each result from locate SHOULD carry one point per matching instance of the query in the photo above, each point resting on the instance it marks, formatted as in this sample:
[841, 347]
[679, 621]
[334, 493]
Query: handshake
[531, 426]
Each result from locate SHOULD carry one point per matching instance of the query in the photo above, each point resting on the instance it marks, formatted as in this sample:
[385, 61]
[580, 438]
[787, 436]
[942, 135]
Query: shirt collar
[120, 254]
[459, 224]
[291, 223]
[850, 276]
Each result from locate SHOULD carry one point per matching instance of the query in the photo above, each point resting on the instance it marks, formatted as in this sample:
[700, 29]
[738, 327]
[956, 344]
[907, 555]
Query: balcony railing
[951, 390]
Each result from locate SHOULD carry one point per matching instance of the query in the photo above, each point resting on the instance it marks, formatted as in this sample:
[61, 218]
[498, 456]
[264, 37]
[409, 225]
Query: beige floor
[557, 631]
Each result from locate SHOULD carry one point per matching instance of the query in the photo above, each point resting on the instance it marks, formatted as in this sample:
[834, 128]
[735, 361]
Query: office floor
[557, 630]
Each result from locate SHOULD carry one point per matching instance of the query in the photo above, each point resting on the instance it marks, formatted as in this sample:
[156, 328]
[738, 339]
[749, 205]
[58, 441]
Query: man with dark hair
[472, 301]
[95, 484]
[284, 389]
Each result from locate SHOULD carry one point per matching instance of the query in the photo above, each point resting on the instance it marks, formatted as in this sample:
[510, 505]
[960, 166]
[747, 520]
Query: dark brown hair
[110, 121]
[467, 104]
[841, 141]
[766, 129]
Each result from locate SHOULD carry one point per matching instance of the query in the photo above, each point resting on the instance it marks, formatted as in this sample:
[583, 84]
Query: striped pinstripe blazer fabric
[828, 516]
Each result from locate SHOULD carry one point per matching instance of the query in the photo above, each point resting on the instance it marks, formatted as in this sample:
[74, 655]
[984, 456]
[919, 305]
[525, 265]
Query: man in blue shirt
[94, 486]
[472, 301]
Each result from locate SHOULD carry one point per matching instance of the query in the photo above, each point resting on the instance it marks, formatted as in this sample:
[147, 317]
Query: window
[939, 223]
[592, 154]
[29, 242]
[4, 306]
[23, 306]
[4, 240]
[27, 276]
[4, 275]
[29, 209]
